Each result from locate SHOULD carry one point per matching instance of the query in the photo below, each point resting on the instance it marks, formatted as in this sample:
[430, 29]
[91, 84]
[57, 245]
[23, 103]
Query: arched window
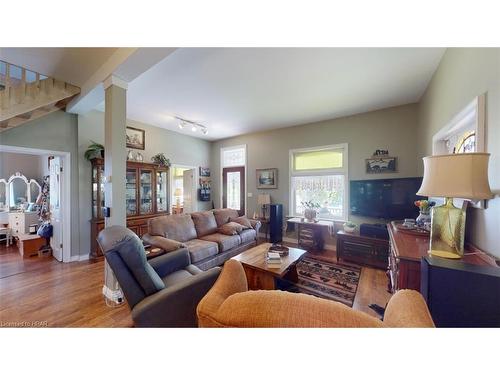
[466, 143]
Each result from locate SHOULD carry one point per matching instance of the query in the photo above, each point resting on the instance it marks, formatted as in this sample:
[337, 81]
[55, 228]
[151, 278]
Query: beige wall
[392, 128]
[463, 74]
[179, 148]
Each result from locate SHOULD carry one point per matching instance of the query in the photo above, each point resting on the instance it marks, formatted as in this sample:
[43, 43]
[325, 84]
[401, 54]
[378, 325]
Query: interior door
[187, 190]
[233, 189]
[55, 204]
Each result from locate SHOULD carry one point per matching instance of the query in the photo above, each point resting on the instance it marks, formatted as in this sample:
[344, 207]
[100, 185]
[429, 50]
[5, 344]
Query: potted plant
[310, 210]
[349, 227]
[94, 151]
[160, 159]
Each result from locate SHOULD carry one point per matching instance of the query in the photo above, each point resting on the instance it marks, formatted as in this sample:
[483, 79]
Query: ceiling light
[193, 128]
[204, 130]
[182, 124]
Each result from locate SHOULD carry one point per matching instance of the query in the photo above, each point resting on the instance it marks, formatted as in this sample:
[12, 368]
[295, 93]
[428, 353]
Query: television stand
[367, 251]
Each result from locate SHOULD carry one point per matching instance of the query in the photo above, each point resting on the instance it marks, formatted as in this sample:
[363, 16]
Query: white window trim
[221, 158]
[320, 172]
[473, 113]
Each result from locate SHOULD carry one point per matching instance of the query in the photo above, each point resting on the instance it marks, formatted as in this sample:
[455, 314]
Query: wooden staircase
[27, 95]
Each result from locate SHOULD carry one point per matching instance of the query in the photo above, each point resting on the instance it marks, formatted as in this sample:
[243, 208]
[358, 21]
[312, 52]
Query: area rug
[326, 280]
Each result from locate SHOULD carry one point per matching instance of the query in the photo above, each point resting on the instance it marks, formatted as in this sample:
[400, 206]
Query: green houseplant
[94, 151]
[349, 227]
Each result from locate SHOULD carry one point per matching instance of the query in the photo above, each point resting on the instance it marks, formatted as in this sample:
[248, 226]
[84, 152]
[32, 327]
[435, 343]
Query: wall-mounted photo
[267, 178]
[381, 165]
[136, 138]
[204, 172]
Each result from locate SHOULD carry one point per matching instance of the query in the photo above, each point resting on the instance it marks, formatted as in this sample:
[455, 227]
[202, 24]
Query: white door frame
[194, 192]
[66, 189]
[221, 165]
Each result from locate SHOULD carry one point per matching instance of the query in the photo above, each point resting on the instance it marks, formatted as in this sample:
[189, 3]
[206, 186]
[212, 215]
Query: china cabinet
[146, 196]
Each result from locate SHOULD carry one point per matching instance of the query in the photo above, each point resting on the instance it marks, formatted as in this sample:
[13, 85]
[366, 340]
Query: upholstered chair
[162, 292]
[230, 304]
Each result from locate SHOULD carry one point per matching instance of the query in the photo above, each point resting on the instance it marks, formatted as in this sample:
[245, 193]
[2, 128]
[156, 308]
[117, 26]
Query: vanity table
[18, 194]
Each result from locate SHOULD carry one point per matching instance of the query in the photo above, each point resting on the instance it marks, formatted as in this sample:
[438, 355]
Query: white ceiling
[241, 90]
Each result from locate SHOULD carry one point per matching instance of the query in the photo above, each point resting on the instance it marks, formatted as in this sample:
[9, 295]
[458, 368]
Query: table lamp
[264, 200]
[178, 195]
[453, 176]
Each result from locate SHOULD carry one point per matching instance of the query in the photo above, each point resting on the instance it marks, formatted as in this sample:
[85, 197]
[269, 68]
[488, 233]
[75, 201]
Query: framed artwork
[136, 138]
[267, 178]
[385, 164]
[204, 172]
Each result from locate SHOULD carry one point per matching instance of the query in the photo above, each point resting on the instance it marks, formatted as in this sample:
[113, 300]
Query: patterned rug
[326, 280]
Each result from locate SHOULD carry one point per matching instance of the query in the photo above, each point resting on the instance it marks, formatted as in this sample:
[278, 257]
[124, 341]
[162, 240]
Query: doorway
[233, 189]
[183, 189]
[59, 192]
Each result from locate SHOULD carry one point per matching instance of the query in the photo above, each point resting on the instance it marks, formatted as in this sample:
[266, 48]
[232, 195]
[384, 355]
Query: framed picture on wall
[204, 172]
[381, 165]
[267, 178]
[136, 138]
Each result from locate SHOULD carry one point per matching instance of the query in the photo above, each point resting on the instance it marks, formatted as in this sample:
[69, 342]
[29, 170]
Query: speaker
[276, 223]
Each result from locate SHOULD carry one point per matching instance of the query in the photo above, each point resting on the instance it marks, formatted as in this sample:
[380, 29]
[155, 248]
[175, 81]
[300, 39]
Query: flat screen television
[390, 199]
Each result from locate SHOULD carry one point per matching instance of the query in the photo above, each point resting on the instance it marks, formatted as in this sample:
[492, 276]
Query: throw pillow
[230, 229]
[242, 220]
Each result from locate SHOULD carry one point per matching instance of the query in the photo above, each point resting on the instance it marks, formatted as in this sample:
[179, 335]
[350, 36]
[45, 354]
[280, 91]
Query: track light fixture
[183, 123]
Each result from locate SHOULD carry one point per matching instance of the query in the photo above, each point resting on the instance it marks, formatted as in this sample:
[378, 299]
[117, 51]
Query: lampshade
[456, 176]
[178, 192]
[264, 199]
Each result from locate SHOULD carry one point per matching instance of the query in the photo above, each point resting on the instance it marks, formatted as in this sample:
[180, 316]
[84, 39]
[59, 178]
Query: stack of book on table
[273, 260]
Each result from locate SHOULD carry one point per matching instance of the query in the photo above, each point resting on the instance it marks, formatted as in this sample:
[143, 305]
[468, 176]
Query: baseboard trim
[79, 258]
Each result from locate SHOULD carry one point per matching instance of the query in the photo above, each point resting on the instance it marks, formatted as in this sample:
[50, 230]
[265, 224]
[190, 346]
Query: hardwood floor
[44, 292]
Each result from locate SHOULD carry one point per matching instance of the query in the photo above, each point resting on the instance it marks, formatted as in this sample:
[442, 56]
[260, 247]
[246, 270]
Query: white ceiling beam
[125, 64]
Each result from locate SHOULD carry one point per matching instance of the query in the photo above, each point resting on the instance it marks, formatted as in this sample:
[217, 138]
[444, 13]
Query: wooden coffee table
[259, 275]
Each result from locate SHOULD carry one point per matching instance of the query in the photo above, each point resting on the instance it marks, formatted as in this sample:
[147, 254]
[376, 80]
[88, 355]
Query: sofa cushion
[248, 235]
[230, 229]
[242, 220]
[176, 227]
[223, 215]
[225, 242]
[199, 249]
[204, 222]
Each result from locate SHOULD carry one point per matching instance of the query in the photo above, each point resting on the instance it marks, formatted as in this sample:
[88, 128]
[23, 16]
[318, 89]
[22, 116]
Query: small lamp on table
[453, 176]
[264, 200]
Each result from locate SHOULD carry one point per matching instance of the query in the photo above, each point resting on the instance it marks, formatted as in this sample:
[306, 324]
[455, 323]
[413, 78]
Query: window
[233, 156]
[233, 178]
[319, 175]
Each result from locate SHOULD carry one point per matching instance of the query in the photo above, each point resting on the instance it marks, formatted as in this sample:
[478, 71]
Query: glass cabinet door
[131, 191]
[97, 190]
[146, 191]
[161, 191]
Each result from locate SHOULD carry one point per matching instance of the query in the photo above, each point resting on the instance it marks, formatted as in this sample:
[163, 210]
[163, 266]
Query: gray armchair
[163, 292]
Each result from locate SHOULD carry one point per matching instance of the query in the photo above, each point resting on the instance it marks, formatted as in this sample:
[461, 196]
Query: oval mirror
[18, 193]
[3, 195]
[35, 191]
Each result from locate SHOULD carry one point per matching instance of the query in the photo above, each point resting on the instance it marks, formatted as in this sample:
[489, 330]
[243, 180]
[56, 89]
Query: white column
[115, 154]
[115, 166]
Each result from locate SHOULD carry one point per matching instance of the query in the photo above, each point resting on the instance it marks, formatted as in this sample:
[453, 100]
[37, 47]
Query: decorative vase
[424, 217]
[310, 214]
[130, 155]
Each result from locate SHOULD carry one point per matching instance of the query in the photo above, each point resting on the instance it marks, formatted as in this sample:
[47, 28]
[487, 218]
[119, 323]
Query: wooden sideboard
[405, 253]
[368, 251]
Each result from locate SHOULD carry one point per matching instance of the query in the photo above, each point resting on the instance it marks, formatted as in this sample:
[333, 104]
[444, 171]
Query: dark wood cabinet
[147, 196]
[406, 252]
[368, 251]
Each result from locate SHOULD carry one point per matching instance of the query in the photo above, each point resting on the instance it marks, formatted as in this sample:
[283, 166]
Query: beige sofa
[198, 233]
[230, 304]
